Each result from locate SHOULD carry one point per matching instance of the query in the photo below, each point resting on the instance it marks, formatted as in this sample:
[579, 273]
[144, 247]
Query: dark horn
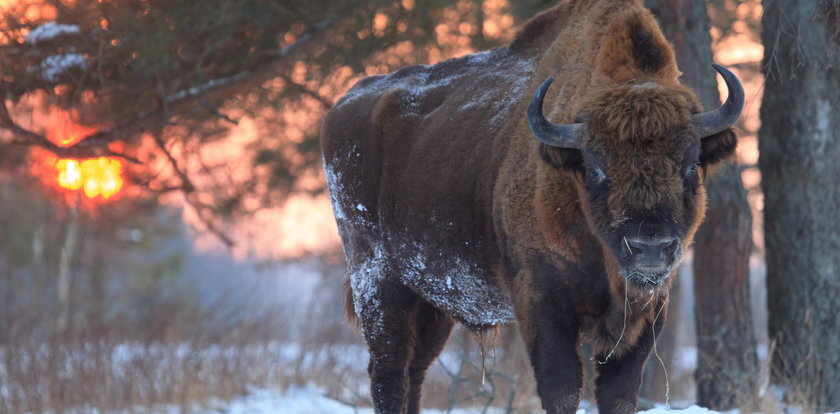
[712, 122]
[551, 134]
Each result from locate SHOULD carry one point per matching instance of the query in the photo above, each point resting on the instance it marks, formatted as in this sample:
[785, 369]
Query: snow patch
[312, 399]
[344, 206]
[48, 31]
[823, 133]
[197, 90]
[480, 58]
[335, 187]
[455, 285]
[366, 283]
[685, 358]
[376, 84]
[645, 86]
[295, 400]
[54, 66]
[694, 409]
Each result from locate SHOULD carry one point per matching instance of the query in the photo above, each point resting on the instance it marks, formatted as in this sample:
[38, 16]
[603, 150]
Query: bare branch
[188, 189]
[306, 91]
[215, 112]
[186, 184]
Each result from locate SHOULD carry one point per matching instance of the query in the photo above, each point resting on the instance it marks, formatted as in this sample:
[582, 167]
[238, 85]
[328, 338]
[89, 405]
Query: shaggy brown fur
[449, 209]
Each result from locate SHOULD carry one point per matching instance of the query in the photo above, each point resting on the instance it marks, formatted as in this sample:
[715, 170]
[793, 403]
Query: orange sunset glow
[100, 177]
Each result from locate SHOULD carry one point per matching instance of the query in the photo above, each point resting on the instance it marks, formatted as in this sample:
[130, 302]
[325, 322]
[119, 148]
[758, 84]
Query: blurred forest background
[167, 238]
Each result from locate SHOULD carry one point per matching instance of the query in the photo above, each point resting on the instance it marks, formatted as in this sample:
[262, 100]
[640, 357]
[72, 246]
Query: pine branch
[95, 144]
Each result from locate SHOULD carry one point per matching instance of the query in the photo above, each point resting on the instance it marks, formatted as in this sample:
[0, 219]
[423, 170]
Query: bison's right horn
[712, 122]
[551, 134]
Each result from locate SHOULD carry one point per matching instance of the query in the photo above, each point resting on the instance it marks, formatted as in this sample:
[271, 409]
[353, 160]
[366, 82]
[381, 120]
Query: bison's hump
[489, 83]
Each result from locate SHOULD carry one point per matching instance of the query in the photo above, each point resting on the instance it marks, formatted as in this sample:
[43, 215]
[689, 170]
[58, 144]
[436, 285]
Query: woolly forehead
[641, 134]
[644, 118]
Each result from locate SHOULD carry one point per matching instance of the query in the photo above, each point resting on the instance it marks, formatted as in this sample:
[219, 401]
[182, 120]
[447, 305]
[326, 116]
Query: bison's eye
[691, 159]
[595, 175]
[691, 170]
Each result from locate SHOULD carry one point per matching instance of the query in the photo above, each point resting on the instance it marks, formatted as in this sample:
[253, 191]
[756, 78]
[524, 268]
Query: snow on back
[375, 84]
[497, 102]
[48, 31]
[480, 58]
[503, 79]
[54, 66]
[416, 87]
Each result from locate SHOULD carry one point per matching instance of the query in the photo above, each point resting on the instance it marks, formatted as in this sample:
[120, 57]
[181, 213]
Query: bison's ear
[563, 158]
[717, 147]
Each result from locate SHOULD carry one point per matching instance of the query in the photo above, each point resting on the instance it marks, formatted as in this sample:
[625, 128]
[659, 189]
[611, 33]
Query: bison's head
[641, 153]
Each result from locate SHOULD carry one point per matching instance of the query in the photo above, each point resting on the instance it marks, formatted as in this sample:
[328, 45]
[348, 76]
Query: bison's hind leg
[404, 335]
[433, 328]
[385, 311]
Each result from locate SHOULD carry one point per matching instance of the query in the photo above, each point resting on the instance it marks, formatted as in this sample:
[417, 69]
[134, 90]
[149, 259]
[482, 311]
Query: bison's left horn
[712, 122]
[551, 134]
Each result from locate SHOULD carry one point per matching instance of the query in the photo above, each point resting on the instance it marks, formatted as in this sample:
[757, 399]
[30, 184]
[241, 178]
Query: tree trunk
[68, 250]
[800, 149]
[727, 365]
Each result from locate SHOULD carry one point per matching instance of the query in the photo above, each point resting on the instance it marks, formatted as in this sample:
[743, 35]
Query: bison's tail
[349, 308]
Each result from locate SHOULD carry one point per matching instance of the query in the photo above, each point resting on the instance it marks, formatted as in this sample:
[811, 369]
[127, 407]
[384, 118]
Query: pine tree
[800, 146]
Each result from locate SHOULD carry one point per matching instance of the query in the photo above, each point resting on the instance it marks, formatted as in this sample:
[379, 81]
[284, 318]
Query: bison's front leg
[619, 378]
[553, 348]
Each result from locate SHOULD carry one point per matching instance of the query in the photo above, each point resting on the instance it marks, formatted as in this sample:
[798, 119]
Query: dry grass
[170, 352]
[103, 366]
[190, 359]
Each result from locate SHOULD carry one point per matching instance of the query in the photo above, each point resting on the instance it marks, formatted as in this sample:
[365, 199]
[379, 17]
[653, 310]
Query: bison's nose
[652, 252]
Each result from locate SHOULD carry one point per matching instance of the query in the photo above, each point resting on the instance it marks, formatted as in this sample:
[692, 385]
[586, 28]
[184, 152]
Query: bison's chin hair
[646, 277]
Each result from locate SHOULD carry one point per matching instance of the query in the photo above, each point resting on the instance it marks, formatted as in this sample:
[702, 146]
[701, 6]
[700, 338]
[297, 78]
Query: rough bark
[727, 364]
[800, 148]
[68, 250]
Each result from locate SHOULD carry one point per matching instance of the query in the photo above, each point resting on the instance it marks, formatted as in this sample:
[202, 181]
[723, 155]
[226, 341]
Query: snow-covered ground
[311, 399]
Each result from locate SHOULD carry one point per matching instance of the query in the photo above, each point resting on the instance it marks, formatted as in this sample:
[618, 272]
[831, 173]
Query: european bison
[451, 211]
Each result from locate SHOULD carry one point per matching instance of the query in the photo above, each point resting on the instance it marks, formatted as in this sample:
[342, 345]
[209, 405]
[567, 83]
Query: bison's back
[411, 159]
